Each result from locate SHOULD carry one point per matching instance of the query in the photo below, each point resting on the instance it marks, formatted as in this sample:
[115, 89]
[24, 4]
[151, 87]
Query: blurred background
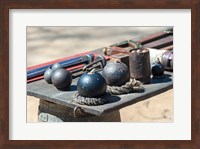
[49, 43]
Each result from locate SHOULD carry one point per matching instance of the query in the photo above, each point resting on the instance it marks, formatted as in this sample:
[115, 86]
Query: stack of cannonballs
[58, 76]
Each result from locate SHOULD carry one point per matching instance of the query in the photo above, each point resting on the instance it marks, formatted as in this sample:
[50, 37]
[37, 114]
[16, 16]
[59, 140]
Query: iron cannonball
[56, 66]
[47, 75]
[49, 72]
[91, 85]
[157, 69]
[116, 73]
[61, 79]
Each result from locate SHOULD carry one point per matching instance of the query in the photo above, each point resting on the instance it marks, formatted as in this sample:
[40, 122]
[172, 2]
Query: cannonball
[61, 79]
[116, 73]
[49, 72]
[157, 69]
[47, 75]
[56, 66]
[91, 85]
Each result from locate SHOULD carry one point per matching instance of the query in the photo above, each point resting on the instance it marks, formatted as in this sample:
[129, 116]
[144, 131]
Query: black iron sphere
[61, 79]
[116, 73]
[91, 85]
[56, 66]
[157, 69]
[49, 72]
[47, 75]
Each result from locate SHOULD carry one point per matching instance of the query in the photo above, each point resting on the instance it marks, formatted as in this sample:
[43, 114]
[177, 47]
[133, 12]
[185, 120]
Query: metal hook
[80, 110]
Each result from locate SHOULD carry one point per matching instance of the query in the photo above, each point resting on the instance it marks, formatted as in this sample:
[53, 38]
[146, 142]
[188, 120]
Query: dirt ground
[49, 43]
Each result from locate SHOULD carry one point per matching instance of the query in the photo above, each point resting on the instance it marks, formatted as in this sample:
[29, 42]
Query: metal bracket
[78, 111]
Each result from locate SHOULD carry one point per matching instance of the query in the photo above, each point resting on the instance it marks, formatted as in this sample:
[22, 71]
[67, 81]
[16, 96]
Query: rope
[133, 86]
[91, 101]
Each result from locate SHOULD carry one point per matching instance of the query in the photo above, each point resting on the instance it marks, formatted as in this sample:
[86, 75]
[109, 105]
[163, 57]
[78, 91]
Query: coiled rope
[91, 101]
[133, 86]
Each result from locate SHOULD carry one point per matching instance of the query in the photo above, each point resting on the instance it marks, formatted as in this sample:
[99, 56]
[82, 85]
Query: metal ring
[89, 58]
[102, 58]
[75, 110]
